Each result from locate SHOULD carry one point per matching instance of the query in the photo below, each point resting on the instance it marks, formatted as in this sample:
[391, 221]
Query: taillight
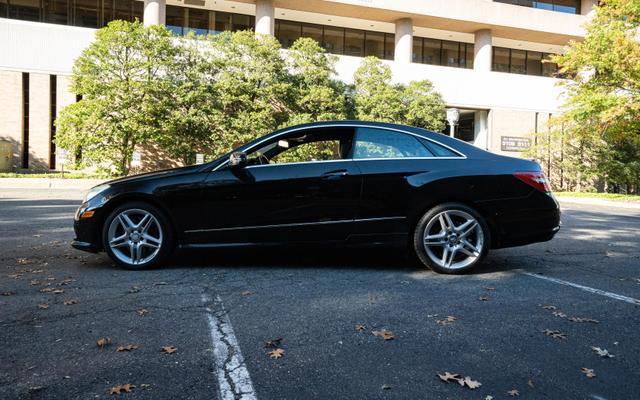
[535, 179]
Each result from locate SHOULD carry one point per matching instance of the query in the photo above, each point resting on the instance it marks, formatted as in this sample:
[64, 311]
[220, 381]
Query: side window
[438, 150]
[383, 143]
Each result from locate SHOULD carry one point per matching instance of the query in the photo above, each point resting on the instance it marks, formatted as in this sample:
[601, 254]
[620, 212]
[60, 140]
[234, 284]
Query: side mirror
[238, 159]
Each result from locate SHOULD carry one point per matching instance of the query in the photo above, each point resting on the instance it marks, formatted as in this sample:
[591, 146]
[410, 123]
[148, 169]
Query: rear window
[437, 149]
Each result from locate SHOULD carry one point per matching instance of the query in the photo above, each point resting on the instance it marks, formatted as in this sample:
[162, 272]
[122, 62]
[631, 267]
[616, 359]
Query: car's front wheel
[137, 236]
[451, 238]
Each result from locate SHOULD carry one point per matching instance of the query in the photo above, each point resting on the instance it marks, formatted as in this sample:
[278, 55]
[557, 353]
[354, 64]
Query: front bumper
[84, 246]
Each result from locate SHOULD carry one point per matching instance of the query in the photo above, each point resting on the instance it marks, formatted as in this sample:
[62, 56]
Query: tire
[141, 244]
[466, 244]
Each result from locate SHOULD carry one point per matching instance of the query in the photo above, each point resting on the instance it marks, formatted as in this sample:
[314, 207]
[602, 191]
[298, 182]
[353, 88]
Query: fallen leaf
[14, 276]
[9, 293]
[384, 334]
[360, 328]
[554, 334]
[169, 349]
[37, 271]
[449, 320]
[273, 343]
[247, 293]
[483, 298]
[550, 307]
[37, 235]
[447, 376]
[385, 387]
[488, 397]
[103, 342]
[142, 312]
[588, 372]
[122, 388]
[489, 288]
[530, 383]
[471, 384]
[602, 352]
[580, 320]
[23, 261]
[66, 281]
[46, 290]
[128, 347]
[43, 306]
[277, 353]
[57, 291]
[513, 393]
[70, 302]
[134, 289]
[559, 314]
[35, 282]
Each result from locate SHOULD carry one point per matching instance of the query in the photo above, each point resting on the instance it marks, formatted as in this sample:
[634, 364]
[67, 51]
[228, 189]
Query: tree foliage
[599, 130]
[142, 86]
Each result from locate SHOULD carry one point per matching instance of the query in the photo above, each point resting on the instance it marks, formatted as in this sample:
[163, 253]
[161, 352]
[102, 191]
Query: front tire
[137, 235]
[451, 238]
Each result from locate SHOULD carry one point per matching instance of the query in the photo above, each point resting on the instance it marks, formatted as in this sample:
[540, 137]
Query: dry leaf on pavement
[449, 320]
[550, 307]
[360, 328]
[247, 293]
[530, 383]
[489, 288]
[273, 343]
[384, 334]
[559, 314]
[513, 392]
[169, 349]
[142, 312]
[103, 342]
[126, 388]
[580, 320]
[555, 334]
[70, 302]
[447, 376]
[588, 372]
[471, 384]
[43, 306]
[10, 293]
[602, 352]
[128, 347]
[466, 381]
[277, 353]
[483, 298]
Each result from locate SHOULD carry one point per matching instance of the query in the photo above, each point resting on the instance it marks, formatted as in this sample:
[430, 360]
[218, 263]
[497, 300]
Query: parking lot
[524, 326]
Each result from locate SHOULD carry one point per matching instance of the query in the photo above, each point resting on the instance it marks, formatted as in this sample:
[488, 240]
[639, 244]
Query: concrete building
[487, 58]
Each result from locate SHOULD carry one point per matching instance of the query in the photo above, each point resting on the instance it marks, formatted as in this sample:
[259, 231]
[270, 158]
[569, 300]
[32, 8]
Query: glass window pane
[121, 10]
[288, 32]
[198, 21]
[374, 44]
[567, 6]
[380, 143]
[175, 19]
[416, 55]
[517, 61]
[469, 56]
[313, 32]
[543, 5]
[223, 22]
[438, 150]
[450, 54]
[138, 10]
[431, 51]
[500, 59]
[241, 22]
[333, 39]
[354, 43]
[55, 11]
[534, 63]
[4, 8]
[389, 46]
[86, 13]
[548, 68]
[26, 10]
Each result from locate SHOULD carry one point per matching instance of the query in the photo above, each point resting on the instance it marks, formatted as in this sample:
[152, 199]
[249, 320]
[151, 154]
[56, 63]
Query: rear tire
[137, 235]
[451, 238]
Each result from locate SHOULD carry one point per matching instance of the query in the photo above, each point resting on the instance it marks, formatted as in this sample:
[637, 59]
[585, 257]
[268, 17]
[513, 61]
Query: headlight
[93, 192]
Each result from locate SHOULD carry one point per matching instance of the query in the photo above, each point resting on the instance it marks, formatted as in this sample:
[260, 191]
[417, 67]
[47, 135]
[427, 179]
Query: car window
[382, 143]
[439, 150]
[319, 144]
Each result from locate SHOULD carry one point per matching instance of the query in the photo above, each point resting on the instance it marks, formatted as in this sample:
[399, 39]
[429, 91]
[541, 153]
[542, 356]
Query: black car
[332, 182]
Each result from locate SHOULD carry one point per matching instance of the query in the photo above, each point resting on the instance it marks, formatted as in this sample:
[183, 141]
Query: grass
[66, 175]
[603, 196]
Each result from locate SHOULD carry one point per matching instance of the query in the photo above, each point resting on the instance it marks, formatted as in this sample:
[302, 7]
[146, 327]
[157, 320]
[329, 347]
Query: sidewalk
[48, 183]
[599, 202]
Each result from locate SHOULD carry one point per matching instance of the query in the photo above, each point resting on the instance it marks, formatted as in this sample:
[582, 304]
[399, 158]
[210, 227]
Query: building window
[353, 43]
[25, 120]
[87, 13]
[442, 52]
[565, 6]
[55, 11]
[26, 10]
[197, 21]
[53, 94]
[523, 62]
[288, 32]
[333, 39]
[174, 19]
[312, 32]
[374, 44]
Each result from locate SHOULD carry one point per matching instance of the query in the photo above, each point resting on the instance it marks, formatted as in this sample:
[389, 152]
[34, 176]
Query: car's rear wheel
[137, 236]
[451, 238]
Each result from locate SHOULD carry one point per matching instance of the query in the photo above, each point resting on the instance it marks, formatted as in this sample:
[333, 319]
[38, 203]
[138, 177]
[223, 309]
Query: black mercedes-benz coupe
[331, 182]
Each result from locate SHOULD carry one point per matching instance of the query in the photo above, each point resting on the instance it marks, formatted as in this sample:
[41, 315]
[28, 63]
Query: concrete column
[154, 12]
[587, 6]
[481, 129]
[265, 21]
[482, 57]
[404, 41]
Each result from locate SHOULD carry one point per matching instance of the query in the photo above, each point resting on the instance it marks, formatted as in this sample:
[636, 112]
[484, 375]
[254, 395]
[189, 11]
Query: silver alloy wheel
[135, 236]
[453, 239]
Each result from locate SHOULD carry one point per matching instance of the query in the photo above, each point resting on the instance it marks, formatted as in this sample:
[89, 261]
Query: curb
[48, 183]
[598, 202]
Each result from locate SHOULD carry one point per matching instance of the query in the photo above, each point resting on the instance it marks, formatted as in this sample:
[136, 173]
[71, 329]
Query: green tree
[601, 118]
[424, 106]
[121, 76]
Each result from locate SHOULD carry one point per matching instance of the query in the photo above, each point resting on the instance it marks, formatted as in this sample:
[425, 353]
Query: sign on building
[199, 158]
[514, 143]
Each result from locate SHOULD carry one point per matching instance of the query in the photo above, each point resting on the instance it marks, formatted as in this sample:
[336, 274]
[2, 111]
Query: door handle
[341, 173]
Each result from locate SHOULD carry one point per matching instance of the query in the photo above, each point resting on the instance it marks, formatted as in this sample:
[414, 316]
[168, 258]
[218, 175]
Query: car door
[387, 159]
[286, 193]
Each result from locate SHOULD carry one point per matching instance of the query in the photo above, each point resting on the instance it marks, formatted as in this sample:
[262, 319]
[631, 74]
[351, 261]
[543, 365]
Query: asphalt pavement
[528, 320]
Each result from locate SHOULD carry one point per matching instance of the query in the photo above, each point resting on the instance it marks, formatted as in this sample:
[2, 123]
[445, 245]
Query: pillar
[482, 53]
[154, 12]
[481, 129]
[586, 6]
[265, 21]
[404, 41]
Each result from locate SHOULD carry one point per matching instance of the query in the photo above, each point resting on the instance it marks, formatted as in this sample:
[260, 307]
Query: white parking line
[586, 288]
[234, 381]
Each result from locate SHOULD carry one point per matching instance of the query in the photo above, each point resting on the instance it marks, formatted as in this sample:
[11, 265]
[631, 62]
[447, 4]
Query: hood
[155, 174]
